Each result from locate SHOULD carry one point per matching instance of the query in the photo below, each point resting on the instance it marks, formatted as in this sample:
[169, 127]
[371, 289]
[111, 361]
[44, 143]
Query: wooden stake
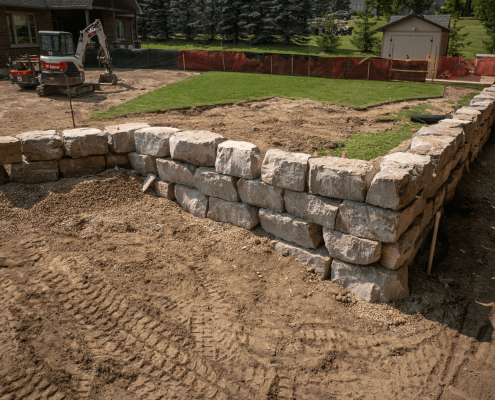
[292, 64]
[434, 241]
[184, 60]
[369, 64]
[223, 60]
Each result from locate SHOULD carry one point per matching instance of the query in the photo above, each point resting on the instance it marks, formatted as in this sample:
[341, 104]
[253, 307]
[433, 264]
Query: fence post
[292, 58]
[345, 67]
[271, 65]
[369, 65]
[184, 59]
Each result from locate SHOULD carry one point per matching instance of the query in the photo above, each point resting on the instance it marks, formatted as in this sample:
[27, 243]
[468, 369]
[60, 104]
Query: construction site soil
[106, 293]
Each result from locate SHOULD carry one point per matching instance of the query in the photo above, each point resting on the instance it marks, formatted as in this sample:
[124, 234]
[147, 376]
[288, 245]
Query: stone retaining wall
[358, 225]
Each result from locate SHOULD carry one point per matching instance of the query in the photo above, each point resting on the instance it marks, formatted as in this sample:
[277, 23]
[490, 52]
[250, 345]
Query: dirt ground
[271, 123]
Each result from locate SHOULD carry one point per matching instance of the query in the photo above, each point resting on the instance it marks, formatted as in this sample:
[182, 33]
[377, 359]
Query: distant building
[359, 5]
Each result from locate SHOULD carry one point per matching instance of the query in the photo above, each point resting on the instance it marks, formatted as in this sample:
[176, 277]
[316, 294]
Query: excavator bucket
[108, 79]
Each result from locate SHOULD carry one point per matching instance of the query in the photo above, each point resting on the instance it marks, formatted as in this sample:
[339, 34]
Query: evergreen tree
[291, 18]
[364, 36]
[257, 21]
[204, 25]
[157, 18]
[419, 7]
[183, 17]
[143, 20]
[468, 9]
[457, 40]
[320, 7]
[340, 5]
[229, 18]
[329, 40]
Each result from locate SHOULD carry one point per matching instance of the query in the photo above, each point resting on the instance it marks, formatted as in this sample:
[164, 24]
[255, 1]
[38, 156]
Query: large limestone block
[395, 255]
[467, 125]
[196, 147]
[441, 149]
[320, 210]
[192, 200]
[84, 142]
[452, 182]
[154, 141]
[439, 178]
[375, 223]
[4, 176]
[33, 171]
[241, 159]
[401, 177]
[425, 217]
[371, 283]
[142, 163]
[41, 145]
[176, 172]
[318, 258]
[442, 130]
[258, 193]
[239, 214]
[342, 178]
[117, 160]
[467, 111]
[483, 96]
[211, 183]
[10, 150]
[164, 189]
[293, 229]
[121, 137]
[351, 248]
[81, 166]
[286, 170]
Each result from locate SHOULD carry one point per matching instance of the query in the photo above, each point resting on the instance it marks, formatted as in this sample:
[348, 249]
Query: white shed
[415, 37]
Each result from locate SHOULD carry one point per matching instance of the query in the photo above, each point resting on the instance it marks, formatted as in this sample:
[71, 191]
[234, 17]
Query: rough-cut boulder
[452, 182]
[238, 214]
[33, 171]
[81, 166]
[341, 178]
[143, 164]
[10, 150]
[164, 189]
[260, 194]
[401, 177]
[351, 248]
[375, 223]
[319, 258]
[439, 178]
[293, 229]
[84, 142]
[117, 160]
[192, 200]
[240, 159]
[196, 147]
[467, 125]
[320, 210]
[4, 176]
[41, 145]
[441, 149]
[395, 255]
[176, 172]
[211, 183]
[442, 130]
[286, 170]
[121, 137]
[154, 141]
[371, 283]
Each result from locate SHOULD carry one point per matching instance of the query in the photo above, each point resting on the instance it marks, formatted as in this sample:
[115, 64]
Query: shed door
[399, 47]
[420, 47]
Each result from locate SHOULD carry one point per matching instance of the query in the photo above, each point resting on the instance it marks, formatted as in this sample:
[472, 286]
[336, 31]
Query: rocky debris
[33, 171]
[211, 183]
[375, 223]
[10, 150]
[240, 159]
[395, 255]
[176, 172]
[142, 163]
[239, 214]
[4, 177]
[340, 178]
[286, 170]
[371, 283]
[81, 166]
[121, 137]
[84, 142]
[154, 141]
[164, 189]
[41, 145]
[192, 200]
[196, 147]
[148, 182]
[351, 248]
[117, 160]
[260, 194]
[293, 229]
[318, 259]
[400, 179]
[320, 210]
[344, 297]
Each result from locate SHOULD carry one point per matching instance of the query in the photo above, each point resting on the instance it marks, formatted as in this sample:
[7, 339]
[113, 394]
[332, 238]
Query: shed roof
[440, 21]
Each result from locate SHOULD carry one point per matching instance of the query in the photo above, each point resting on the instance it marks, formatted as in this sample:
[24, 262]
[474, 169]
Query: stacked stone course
[359, 225]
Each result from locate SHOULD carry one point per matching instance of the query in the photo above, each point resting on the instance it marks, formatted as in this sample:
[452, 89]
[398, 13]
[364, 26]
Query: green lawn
[476, 36]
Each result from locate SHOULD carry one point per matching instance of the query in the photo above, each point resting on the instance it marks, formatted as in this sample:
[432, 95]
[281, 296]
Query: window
[22, 29]
[120, 29]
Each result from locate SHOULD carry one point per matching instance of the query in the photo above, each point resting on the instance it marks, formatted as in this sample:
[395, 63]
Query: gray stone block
[10, 150]
[192, 200]
[164, 189]
[239, 214]
[196, 147]
[154, 141]
[341, 178]
[41, 145]
[176, 171]
[33, 171]
[320, 210]
[286, 170]
[319, 258]
[117, 160]
[76, 167]
[467, 125]
[442, 130]
[143, 164]
[441, 149]
[240, 159]
[351, 248]
[211, 183]
[293, 229]
[121, 137]
[395, 255]
[84, 142]
[371, 283]
[452, 182]
[260, 194]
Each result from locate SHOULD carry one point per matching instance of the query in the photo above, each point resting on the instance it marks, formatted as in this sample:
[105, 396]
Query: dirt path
[107, 293]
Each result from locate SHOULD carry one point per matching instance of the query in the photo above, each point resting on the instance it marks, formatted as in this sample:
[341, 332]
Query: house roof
[131, 5]
[440, 21]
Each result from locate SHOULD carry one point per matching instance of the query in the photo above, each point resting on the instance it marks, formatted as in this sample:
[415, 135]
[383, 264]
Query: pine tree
[320, 7]
[183, 17]
[291, 18]
[204, 25]
[229, 18]
[340, 5]
[468, 9]
[257, 22]
[457, 40]
[329, 40]
[143, 19]
[157, 18]
[419, 7]
[364, 37]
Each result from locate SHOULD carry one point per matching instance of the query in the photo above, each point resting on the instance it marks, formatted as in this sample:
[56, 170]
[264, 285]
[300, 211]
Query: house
[359, 5]
[21, 20]
[415, 37]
